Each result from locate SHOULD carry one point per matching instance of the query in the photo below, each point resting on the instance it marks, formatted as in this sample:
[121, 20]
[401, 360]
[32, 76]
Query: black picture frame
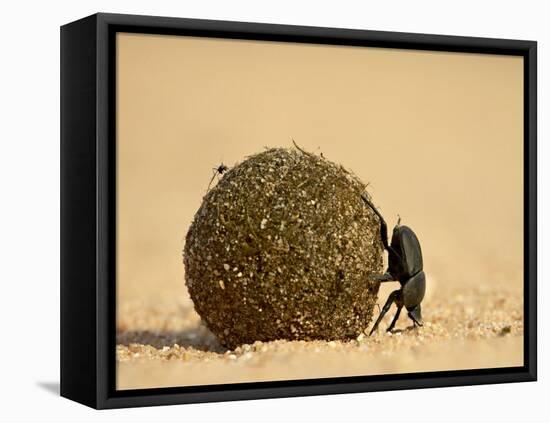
[88, 210]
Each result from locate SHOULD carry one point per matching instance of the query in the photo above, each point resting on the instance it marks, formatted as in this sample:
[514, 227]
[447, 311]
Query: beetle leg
[383, 226]
[386, 277]
[394, 296]
[211, 180]
[394, 321]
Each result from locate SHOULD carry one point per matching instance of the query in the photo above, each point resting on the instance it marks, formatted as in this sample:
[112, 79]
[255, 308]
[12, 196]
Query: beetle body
[408, 260]
[405, 265]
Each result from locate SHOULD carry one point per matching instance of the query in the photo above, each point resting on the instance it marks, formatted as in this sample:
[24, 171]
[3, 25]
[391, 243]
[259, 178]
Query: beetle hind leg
[395, 296]
[395, 318]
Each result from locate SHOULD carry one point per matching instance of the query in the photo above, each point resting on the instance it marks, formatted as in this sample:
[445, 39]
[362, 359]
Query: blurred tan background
[438, 135]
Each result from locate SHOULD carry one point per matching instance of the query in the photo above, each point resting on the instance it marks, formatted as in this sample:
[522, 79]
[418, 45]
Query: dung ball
[283, 247]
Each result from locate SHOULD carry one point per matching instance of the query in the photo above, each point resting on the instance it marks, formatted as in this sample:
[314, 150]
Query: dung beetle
[404, 265]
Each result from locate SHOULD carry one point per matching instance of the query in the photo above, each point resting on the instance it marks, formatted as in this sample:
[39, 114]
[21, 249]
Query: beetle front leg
[393, 297]
[386, 277]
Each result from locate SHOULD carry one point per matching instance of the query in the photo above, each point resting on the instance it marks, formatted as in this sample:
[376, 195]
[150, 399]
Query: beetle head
[416, 315]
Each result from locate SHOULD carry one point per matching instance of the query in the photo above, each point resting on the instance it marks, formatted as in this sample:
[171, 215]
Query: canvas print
[299, 211]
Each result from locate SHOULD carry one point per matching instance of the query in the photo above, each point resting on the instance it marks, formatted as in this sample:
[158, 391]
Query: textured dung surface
[283, 247]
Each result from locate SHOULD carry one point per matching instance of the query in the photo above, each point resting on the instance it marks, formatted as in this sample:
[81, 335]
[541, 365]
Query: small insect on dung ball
[283, 247]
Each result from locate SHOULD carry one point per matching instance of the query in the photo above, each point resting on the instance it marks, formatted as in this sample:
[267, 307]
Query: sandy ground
[162, 343]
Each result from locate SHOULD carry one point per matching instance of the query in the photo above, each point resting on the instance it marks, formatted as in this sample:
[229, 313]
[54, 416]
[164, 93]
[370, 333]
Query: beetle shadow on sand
[198, 338]
[404, 330]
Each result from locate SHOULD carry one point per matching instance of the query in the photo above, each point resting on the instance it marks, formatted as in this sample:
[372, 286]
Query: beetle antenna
[398, 220]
